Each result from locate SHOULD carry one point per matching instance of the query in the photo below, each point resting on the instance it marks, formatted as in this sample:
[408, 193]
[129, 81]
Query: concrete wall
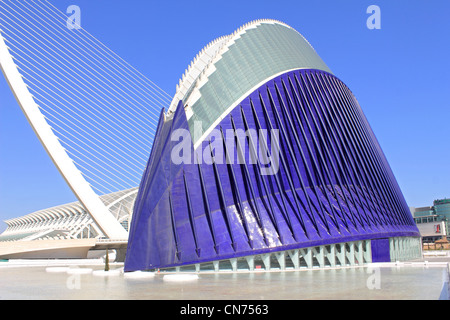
[46, 249]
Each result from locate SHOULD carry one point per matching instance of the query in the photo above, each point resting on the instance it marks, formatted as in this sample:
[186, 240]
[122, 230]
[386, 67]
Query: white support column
[397, 249]
[81, 188]
[359, 252]
[233, 262]
[319, 254]
[420, 248]
[281, 258]
[307, 255]
[411, 248]
[368, 251]
[216, 265]
[402, 246]
[351, 253]
[250, 262]
[331, 255]
[417, 251]
[294, 255]
[407, 248]
[392, 249]
[266, 260]
[341, 253]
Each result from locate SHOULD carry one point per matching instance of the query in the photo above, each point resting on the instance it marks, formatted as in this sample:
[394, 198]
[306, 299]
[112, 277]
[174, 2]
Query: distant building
[432, 221]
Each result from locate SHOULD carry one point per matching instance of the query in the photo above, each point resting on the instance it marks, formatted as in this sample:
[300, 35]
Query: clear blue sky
[400, 75]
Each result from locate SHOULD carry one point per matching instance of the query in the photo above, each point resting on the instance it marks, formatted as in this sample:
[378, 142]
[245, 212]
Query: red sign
[437, 228]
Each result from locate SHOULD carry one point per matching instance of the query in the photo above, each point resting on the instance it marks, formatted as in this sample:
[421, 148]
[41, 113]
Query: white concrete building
[69, 221]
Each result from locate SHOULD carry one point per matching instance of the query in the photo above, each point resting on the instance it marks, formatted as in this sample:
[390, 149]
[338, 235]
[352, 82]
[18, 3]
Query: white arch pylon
[81, 188]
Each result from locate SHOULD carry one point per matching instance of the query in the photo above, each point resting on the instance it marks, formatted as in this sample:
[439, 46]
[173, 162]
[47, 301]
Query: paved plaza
[425, 279]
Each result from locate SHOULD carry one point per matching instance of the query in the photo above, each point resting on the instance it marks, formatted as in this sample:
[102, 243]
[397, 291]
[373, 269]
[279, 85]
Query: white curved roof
[68, 220]
[197, 65]
[231, 67]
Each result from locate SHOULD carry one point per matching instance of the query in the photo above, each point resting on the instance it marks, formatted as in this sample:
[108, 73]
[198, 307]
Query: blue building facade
[330, 183]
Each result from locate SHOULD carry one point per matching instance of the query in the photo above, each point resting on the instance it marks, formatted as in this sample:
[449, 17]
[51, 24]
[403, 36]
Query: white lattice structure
[69, 221]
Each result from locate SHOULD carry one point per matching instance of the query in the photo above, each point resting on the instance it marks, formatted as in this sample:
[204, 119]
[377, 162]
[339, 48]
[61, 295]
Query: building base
[347, 254]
